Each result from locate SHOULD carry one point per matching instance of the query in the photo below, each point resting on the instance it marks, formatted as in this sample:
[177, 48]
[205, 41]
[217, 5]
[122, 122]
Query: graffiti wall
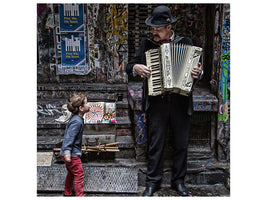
[190, 21]
[102, 36]
[107, 41]
[117, 38]
[223, 132]
[106, 37]
[46, 53]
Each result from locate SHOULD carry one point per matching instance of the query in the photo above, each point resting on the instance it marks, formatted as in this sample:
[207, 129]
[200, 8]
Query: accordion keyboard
[171, 67]
[155, 79]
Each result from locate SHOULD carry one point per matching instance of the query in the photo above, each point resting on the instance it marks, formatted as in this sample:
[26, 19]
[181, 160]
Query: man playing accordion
[166, 110]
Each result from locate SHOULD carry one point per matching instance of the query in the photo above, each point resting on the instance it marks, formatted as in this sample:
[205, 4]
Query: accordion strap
[177, 39]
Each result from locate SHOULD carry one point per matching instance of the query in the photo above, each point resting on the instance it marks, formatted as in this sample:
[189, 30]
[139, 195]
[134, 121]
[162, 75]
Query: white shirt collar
[172, 37]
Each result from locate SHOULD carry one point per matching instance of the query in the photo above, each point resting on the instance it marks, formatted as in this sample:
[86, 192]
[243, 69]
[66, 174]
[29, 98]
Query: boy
[72, 142]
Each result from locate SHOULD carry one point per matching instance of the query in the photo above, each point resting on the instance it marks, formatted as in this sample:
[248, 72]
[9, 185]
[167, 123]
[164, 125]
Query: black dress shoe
[180, 189]
[149, 191]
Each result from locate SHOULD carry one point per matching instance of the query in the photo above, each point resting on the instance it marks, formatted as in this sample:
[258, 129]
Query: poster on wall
[72, 49]
[100, 112]
[72, 40]
[71, 17]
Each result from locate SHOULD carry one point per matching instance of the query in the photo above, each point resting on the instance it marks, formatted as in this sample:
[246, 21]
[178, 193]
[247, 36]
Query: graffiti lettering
[223, 136]
[137, 93]
[117, 37]
[224, 75]
[224, 112]
[225, 58]
[48, 109]
[199, 106]
[118, 27]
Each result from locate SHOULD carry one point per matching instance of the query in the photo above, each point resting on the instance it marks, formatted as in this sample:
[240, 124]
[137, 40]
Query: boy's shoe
[72, 195]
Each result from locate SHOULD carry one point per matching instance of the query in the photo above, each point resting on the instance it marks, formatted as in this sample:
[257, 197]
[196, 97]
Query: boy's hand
[67, 157]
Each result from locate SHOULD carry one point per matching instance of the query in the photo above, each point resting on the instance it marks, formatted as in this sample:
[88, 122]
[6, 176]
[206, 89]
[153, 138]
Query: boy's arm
[71, 133]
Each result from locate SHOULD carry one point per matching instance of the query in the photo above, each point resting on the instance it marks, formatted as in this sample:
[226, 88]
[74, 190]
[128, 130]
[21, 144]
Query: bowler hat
[161, 16]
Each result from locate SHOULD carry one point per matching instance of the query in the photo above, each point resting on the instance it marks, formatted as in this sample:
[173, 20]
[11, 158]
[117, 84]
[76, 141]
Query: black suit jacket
[140, 58]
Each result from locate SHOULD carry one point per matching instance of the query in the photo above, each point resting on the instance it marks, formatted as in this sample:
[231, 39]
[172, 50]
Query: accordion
[171, 67]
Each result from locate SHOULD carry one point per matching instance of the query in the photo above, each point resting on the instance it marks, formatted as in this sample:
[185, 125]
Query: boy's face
[85, 108]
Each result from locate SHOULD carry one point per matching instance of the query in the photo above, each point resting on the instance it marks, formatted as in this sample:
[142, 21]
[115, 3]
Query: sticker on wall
[71, 45]
[109, 116]
[71, 17]
[100, 112]
[72, 49]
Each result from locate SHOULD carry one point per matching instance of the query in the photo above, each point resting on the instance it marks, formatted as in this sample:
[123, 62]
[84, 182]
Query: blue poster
[71, 17]
[72, 49]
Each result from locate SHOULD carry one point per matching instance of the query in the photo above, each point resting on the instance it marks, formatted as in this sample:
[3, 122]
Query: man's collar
[173, 36]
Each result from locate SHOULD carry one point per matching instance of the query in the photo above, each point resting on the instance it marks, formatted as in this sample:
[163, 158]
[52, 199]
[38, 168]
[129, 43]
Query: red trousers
[76, 174]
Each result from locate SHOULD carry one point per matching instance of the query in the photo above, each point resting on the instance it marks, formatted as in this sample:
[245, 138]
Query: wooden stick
[103, 150]
[94, 149]
[109, 144]
[102, 147]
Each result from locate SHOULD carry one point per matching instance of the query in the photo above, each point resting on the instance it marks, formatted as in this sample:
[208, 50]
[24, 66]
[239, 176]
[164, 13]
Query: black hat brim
[149, 22]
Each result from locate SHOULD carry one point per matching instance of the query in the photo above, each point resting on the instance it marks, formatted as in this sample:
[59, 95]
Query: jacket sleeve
[72, 131]
[186, 40]
[139, 58]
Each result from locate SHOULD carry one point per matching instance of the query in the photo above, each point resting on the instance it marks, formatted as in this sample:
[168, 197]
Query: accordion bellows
[171, 67]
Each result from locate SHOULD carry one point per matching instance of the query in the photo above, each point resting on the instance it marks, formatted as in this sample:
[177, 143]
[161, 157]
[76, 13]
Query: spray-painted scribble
[117, 36]
[48, 109]
[141, 128]
[225, 59]
[225, 73]
[223, 136]
[118, 26]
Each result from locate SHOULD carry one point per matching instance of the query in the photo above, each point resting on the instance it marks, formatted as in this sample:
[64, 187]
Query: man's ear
[169, 27]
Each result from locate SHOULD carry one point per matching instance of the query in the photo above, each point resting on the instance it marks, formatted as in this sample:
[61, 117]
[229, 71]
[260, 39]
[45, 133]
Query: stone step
[217, 190]
[108, 179]
[92, 129]
[53, 106]
[97, 179]
[203, 99]
[108, 88]
[48, 143]
[49, 122]
[205, 172]
[126, 146]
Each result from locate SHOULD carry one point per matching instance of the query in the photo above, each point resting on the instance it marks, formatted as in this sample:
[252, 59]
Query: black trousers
[167, 111]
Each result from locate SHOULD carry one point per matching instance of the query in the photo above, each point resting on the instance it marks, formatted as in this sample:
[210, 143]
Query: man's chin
[156, 39]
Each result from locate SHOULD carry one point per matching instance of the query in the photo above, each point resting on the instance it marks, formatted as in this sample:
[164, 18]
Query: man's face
[161, 33]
